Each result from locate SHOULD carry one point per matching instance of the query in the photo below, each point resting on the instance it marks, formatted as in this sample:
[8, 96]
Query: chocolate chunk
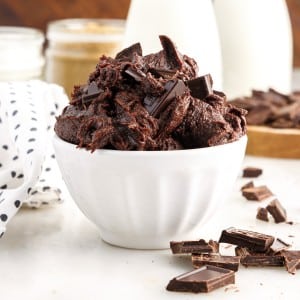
[278, 245]
[173, 57]
[251, 258]
[262, 214]
[250, 184]
[156, 105]
[258, 193]
[89, 92]
[167, 74]
[202, 280]
[129, 52]
[253, 240]
[277, 211]
[291, 260]
[201, 87]
[222, 261]
[252, 172]
[136, 74]
[200, 246]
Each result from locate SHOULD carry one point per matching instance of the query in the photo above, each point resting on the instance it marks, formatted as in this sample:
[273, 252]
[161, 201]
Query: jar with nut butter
[75, 46]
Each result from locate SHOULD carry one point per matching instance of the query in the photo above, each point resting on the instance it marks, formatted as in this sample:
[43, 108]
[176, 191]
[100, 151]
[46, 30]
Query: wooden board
[273, 142]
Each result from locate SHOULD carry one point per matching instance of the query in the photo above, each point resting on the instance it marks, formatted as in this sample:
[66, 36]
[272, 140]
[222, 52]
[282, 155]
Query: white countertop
[56, 253]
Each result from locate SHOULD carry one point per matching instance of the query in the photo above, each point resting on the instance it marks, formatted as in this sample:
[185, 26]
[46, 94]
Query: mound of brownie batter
[152, 102]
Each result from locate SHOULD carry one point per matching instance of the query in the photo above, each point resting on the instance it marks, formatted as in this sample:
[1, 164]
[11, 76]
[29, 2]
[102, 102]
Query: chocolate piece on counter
[258, 193]
[250, 258]
[128, 53]
[262, 214]
[252, 172]
[156, 105]
[277, 211]
[201, 87]
[291, 260]
[215, 259]
[202, 280]
[278, 245]
[200, 246]
[249, 184]
[244, 238]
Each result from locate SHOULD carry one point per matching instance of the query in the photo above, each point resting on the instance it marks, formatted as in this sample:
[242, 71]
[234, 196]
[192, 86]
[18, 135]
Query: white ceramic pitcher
[256, 44]
[191, 24]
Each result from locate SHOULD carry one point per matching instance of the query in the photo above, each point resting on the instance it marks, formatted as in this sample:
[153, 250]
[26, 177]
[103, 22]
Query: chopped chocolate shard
[173, 57]
[215, 259]
[249, 184]
[136, 74]
[277, 211]
[200, 246]
[201, 87]
[156, 105]
[251, 258]
[164, 73]
[89, 92]
[291, 260]
[278, 245]
[128, 53]
[244, 238]
[258, 193]
[262, 214]
[252, 172]
[202, 280]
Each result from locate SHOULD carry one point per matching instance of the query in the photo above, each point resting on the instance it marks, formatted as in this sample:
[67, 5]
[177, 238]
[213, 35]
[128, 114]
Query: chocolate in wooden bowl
[273, 142]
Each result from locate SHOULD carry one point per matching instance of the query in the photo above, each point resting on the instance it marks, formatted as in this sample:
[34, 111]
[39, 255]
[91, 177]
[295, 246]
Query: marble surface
[56, 253]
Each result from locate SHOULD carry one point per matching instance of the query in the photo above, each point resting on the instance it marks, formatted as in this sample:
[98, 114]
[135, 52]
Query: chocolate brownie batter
[152, 102]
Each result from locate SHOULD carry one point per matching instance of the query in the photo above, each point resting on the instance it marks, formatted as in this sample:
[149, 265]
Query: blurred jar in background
[191, 24]
[75, 45]
[256, 40]
[21, 53]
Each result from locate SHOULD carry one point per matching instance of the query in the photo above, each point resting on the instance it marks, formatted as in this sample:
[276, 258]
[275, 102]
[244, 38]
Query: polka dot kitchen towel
[27, 162]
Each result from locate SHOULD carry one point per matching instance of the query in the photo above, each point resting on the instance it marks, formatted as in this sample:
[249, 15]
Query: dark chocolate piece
[278, 245]
[200, 246]
[262, 214]
[250, 184]
[277, 211]
[128, 53]
[258, 193]
[173, 57]
[201, 87]
[215, 259]
[202, 280]
[252, 172]
[89, 93]
[244, 238]
[156, 105]
[291, 260]
[136, 74]
[250, 258]
[164, 73]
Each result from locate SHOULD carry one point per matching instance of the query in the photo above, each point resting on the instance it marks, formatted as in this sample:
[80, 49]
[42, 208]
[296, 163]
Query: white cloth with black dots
[27, 161]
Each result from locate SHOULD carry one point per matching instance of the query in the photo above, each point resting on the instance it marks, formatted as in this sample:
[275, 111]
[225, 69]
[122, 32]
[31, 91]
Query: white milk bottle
[191, 24]
[256, 46]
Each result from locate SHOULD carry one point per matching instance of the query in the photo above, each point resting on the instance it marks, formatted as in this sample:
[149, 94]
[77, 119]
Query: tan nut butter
[75, 45]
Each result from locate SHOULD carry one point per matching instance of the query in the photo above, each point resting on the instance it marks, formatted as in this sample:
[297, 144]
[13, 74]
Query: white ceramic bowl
[145, 199]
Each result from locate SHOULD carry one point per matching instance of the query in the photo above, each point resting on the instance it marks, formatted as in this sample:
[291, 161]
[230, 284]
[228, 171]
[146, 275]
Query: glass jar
[75, 45]
[21, 53]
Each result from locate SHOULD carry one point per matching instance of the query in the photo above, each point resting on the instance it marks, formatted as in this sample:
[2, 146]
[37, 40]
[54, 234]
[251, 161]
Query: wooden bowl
[273, 142]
